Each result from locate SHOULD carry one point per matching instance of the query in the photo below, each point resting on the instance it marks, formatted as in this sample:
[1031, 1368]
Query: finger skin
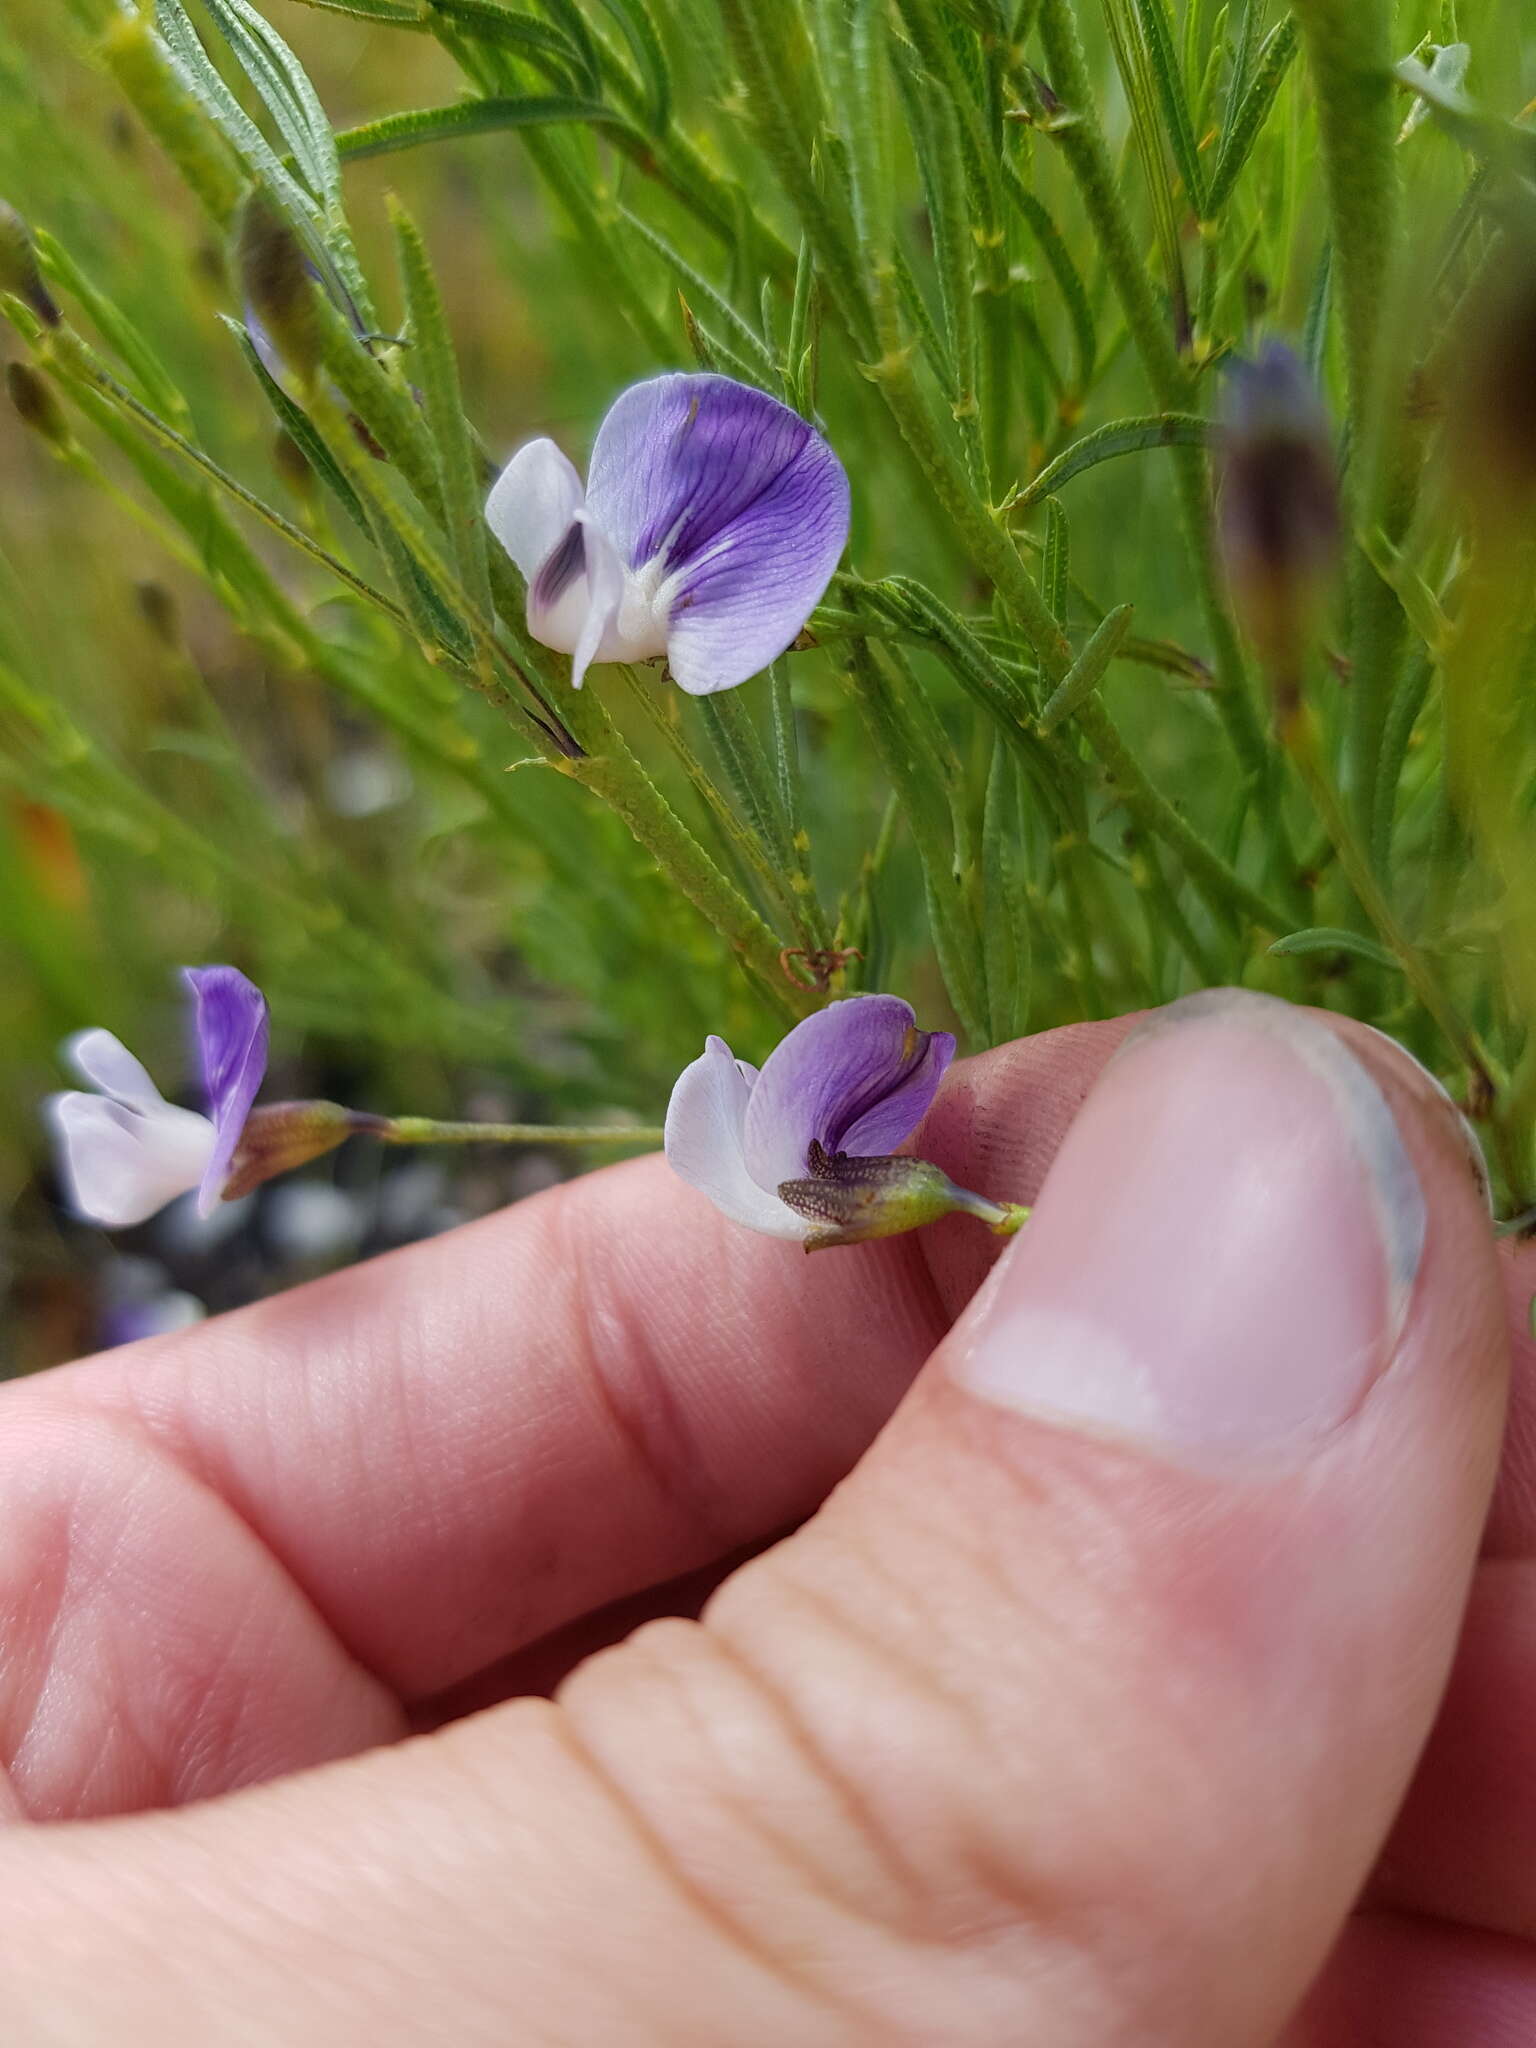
[1025, 1736]
[394, 1479]
[1396, 1982]
[1464, 1847]
[1511, 1530]
[1012, 1585]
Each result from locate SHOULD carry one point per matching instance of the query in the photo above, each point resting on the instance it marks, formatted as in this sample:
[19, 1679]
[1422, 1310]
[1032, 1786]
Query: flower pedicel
[124, 1151]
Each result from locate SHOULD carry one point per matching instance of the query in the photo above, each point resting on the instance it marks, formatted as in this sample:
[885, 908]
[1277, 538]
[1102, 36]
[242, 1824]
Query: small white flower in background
[711, 522]
[124, 1151]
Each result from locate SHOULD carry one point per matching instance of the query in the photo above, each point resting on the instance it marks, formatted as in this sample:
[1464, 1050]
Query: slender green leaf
[487, 21]
[195, 71]
[400, 13]
[1157, 34]
[1253, 111]
[956, 943]
[869, 136]
[155, 384]
[645, 45]
[1006, 938]
[1052, 245]
[743, 338]
[574, 24]
[418, 126]
[295, 107]
[1244, 47]
[1085, 674]
[740, 749]
[1135, 64]
[437, 373]
[936, 142]
[1056, 568]
[1314, 340]
[1119, 437]
[1334, 939]
[296, 423]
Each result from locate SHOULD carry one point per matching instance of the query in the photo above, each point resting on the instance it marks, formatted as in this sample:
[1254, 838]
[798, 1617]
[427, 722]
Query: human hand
[1040, 1729]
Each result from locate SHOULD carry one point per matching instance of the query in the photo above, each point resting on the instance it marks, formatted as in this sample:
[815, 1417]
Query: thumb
[1077, 1715]
[1118, 1649]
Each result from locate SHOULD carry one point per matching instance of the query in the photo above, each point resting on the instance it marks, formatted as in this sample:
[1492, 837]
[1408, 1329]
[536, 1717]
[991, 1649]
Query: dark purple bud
[158, 609]
[277, 281]
[1278, 504]
[292, 464]
[19, 273]
[1048, 99]
[36, 404]
[1492, 396]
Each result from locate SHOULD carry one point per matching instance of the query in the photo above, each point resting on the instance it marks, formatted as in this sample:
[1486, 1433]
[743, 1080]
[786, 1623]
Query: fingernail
[1471, 1144]
[1222, 1256]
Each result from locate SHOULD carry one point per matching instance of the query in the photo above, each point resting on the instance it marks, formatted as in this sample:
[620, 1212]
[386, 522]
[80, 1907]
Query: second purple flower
[805, 1149]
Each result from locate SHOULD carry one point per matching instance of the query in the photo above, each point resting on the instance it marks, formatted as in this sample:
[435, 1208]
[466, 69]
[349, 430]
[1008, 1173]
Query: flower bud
[18, 267]
[158, 609]
[282, 1135]
[37, 404]
[1491, 394]
[277, 280]
[1278, 508]
[292, 465]
[851, 1200]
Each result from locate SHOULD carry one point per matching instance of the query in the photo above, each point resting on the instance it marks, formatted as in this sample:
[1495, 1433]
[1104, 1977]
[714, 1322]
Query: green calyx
[852, 1200]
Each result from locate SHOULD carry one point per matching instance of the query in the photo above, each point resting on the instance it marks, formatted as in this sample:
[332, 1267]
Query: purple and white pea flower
[710, 525]
[803, 1149]
[124, 1151]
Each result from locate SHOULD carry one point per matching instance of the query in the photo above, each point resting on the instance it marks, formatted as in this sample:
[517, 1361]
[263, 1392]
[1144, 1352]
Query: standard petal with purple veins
[231, 1026]
[856, 1077]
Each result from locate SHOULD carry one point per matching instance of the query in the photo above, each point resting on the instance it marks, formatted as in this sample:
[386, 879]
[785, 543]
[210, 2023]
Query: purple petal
[231, 1026]
[703, 1141]
[743, 503]
[748, 599]
[857, 1077]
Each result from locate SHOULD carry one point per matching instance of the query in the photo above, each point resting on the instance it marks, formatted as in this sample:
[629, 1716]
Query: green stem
[1222, 887]
[1081, 139]
[1349, 53]
[1300, 734]
[76, 361]
[426, 1130]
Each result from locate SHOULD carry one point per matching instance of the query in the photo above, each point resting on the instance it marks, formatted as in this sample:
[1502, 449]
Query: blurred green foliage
[1004, 271]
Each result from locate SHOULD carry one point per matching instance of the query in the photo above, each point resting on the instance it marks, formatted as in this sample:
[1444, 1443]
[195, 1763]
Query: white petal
[603, 585]
[106, 1063]
[703, 1143]
[532, 504]
[120, 1163]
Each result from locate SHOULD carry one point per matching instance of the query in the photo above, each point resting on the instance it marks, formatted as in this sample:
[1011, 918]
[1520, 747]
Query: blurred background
[443, 930]
[306, 795]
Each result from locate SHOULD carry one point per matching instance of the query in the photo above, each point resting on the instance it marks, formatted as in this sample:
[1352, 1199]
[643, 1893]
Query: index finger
[460, 1446]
